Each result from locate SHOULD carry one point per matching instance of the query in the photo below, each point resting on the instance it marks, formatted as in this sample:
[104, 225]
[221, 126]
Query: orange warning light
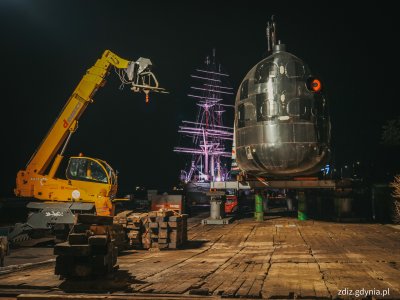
[316, 85]
[147, 98]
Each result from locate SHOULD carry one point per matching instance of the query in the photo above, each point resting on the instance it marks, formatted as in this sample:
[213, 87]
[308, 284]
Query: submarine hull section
[282, 126]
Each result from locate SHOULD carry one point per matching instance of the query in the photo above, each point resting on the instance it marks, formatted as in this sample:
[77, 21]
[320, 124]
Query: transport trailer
[339, 200]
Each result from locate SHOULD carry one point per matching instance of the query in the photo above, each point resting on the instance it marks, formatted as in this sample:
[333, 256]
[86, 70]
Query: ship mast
[209, 137]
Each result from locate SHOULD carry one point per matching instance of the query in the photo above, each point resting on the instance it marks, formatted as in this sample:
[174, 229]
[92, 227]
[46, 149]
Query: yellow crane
[56, 199]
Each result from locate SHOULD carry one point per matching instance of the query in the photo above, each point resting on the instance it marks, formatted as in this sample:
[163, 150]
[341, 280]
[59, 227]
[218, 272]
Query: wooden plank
[175, 218]
[134, 234]
[98, 229]
[162, 245]
[134, 226]
[153, 225]
[175, 236]
[180, 287]
[81, 228]
[307, 259]
[233, 288]
[98, 240]
[152, 214]
[174, 245]
[175, 224]
[72, 250]
[167, 213]
[255, 290]
[163, 224]
[163, 234]
[77, 238]
[160, 219]
[92, 219]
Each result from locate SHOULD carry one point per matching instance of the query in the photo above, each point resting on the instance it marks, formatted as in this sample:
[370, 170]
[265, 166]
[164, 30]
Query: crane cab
[90, 169]
[84, 171]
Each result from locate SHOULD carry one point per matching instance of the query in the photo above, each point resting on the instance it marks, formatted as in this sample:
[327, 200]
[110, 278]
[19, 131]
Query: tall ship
[207, 140]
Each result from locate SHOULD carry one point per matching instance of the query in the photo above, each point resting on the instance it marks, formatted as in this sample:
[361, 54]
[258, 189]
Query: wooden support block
[152, 214]
[162, 241]
[100, 260]
[177, 241]
[63, 265]
[146, 243]
[134, 218]
[99, 229]
[123, 214]
[81, 228]
[161, 219]
[98, 240]
[134, 234]
[153, 225]
[72, 250]
[135, 244]
[175, 218]
[82, 269]
[92, 219]
[163, 234]
[166, 213]
[101, 249]
[78, 238]
[184, 236]
[174, 224]
[134, 226]
[135, 241]
[184, 228]
[163, 224]
[174, 245]
[176, 230]
[162, 245]
[121, 221]
[175, 236]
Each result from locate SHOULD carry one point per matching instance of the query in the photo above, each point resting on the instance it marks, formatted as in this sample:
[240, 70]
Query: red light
[147, 98]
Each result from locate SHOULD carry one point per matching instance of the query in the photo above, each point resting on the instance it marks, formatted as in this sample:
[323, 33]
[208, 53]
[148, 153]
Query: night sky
[46, 47]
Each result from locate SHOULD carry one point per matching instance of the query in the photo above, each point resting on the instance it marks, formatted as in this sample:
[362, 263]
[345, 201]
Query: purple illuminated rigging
[209, 138]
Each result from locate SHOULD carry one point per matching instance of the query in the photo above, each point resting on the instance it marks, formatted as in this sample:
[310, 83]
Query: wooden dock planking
[275, 258]
[298, 278]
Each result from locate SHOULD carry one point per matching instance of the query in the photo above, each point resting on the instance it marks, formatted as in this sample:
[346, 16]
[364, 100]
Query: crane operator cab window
[85, 169]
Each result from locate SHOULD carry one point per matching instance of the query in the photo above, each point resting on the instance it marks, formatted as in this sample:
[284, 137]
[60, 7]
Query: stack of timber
[133, 224]
[164, 229]
[91, 248]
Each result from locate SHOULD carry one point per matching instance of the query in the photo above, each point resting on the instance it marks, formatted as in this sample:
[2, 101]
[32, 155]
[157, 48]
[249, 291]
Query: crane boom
[76, 105]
